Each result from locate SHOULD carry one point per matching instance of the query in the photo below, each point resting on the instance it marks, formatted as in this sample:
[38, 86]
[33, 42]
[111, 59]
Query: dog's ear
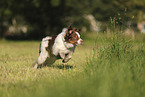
[78, 30]
[69, 27]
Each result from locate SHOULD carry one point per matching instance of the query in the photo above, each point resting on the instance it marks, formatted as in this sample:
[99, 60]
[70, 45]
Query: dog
[61, 46]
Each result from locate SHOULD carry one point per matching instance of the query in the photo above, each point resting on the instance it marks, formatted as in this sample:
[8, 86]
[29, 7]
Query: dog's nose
[81, 41]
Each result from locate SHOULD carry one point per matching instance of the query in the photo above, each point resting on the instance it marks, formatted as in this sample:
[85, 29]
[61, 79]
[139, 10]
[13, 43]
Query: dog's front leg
[67, 58]
[62, 55]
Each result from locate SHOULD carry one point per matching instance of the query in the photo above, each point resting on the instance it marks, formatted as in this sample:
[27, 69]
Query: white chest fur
[60, 46]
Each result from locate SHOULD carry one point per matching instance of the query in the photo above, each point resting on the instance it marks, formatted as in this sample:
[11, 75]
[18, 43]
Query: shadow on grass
[58, 66]
[63, 66]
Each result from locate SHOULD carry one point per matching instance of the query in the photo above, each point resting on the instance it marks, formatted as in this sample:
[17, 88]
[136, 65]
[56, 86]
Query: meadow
[104, 66]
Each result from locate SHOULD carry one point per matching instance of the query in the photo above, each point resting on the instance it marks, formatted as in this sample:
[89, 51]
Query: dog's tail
[44, 43]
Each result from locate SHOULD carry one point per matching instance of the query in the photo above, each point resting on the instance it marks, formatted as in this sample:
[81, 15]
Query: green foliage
[55, 2]
[5, 14]
[50, 16]
[127, 10]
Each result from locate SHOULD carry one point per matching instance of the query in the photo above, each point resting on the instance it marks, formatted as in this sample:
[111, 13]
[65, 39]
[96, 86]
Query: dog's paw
[36, 66]
[64, 61]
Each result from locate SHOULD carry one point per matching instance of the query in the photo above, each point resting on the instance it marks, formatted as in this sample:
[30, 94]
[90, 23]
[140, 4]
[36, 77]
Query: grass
[105, 66]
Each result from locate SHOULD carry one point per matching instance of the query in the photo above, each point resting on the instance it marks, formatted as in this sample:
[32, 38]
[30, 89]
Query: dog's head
[72, 36]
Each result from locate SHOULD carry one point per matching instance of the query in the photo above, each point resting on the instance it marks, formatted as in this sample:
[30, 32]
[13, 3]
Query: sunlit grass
[103, 67]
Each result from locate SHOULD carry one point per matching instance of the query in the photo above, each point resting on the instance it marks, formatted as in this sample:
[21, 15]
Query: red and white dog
[61, 46]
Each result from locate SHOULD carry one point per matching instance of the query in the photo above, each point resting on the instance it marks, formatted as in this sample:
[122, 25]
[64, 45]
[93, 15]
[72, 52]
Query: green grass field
[105, 66]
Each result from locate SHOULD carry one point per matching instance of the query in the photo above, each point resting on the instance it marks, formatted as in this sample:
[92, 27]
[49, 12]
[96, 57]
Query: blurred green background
[34, 19]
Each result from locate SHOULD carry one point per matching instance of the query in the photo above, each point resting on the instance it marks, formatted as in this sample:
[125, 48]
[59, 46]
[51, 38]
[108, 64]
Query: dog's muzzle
[80, 42]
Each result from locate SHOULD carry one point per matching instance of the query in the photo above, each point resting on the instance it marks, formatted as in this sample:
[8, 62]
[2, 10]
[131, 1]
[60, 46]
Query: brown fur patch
[50, 44]
[71, 36]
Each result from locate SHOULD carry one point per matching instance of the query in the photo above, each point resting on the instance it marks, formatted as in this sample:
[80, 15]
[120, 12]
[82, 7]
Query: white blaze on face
[80, 41]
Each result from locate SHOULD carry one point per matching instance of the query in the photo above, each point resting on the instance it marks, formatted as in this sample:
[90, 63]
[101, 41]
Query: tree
[45, 17]
[5, 15]
[125, 10]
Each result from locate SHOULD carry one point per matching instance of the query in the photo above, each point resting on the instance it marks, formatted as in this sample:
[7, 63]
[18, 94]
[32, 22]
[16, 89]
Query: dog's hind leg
[36, 65]
[43, 53]
[41, 59]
